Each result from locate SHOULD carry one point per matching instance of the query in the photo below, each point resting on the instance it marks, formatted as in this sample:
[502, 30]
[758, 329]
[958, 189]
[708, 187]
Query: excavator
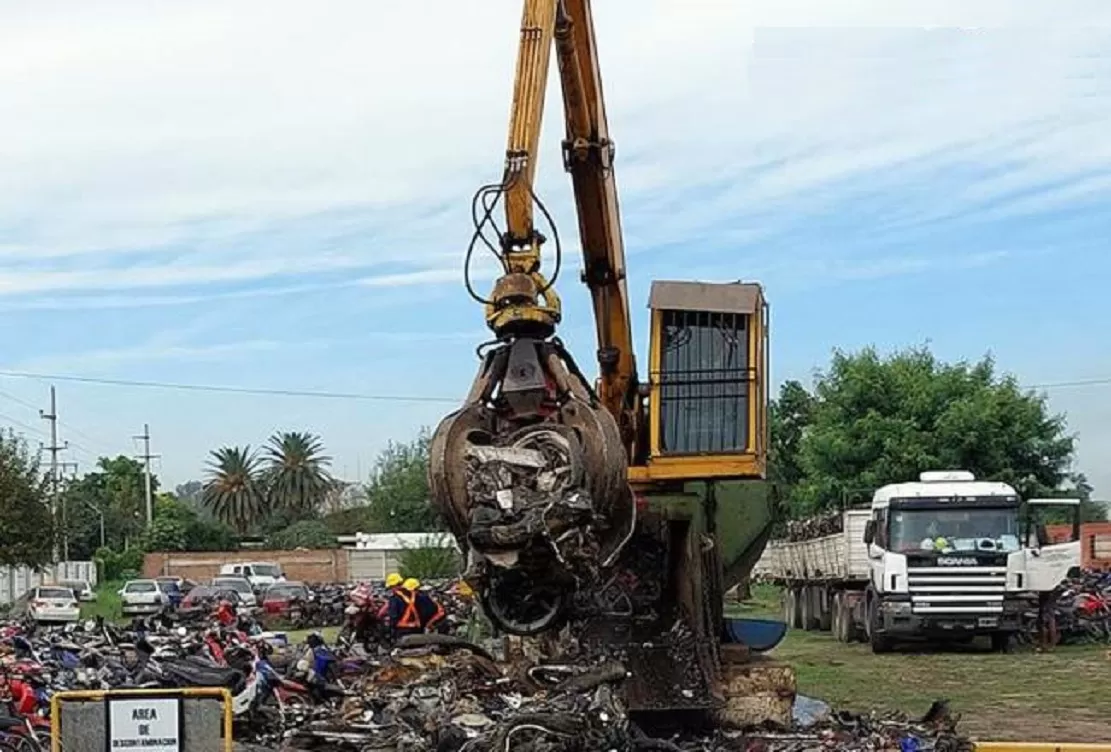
[625, 507]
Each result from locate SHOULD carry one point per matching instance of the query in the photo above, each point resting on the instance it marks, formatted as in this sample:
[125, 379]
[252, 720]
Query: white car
[141, 597]
[49, 603]
[261, 574]
[240, 585]
[81, 589]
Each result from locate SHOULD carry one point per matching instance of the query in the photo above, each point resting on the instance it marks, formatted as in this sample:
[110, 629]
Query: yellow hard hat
[393, 579]
[412, 584]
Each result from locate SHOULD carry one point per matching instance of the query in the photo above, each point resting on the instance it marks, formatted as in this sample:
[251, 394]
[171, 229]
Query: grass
[107, 603]
[1025, 696]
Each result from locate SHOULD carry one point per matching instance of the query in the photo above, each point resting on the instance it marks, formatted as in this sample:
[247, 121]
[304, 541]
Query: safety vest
[410, 619]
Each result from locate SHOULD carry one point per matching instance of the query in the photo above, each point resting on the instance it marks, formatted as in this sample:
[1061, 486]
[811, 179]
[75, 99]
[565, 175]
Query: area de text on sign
[144, 724]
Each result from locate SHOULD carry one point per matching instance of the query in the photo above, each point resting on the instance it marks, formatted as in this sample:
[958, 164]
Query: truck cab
[261, 574]
[952, 557]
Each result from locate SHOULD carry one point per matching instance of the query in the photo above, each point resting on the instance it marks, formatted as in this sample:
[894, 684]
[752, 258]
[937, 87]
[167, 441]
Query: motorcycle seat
[10, 722]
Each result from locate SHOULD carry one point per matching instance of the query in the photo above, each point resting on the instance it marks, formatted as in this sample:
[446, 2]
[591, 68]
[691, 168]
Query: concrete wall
[15, 581]
[306, 566]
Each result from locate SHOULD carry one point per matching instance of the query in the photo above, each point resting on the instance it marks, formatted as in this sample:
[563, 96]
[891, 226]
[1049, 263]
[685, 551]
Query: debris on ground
[424, 693]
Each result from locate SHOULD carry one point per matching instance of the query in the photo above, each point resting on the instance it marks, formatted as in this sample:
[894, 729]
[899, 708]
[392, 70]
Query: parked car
[48, 603]
[171, 593]
[183, 584]
[142, 597]
[261, 574]
[205, 597]
[81, 589]
[278, 598]
[240, 585]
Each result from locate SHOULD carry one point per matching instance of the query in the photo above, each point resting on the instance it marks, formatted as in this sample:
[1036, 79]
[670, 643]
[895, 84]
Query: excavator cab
[708, 382]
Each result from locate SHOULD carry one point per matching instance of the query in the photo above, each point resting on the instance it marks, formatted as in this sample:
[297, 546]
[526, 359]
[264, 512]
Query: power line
[321, 394]
[64, 424]
[326, 394]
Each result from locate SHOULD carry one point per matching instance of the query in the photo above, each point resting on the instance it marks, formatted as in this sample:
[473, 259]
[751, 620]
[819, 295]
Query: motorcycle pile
[432, 692]
[1083, 609]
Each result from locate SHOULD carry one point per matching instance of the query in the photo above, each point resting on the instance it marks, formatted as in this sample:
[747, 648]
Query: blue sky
[276, 194]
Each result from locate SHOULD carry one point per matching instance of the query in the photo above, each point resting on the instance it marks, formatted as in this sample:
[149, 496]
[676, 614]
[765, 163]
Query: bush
[304, 534]
[119, 566]
[430, 561]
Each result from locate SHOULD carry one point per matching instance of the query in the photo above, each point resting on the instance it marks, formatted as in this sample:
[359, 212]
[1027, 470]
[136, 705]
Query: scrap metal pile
[434, 692]
[817, 526]
[453, 697]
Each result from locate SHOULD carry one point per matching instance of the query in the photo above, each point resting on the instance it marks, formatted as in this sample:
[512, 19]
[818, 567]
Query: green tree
[233, 492]
[116, 489]
[303, 534]
[788, 417]
[879, 420]
[26, 524]
[297, 471]
[397, 494]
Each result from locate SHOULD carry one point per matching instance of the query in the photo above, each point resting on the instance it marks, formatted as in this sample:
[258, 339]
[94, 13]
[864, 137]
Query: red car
[278, 597]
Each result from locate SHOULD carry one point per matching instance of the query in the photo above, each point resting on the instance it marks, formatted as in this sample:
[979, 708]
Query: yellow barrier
[111, 694]
[1040, 747]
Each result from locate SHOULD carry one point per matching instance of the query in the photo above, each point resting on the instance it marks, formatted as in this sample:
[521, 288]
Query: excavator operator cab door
[708, 381]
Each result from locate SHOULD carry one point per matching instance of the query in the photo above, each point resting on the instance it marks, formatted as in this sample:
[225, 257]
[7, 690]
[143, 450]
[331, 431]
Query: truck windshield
[983, 529]
[267, 570]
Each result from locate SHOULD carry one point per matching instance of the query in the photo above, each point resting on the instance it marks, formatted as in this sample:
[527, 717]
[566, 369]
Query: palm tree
[298, 473]
[232, 491]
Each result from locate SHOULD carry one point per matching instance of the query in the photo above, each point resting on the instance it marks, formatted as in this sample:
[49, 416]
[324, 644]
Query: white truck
[945, 558]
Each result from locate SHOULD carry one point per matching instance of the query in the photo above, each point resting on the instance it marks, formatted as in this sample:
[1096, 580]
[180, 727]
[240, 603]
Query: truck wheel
[1001, 642]
[823, 603]
[791, 608]
[879, 642]
[842, 620]
[807, 601]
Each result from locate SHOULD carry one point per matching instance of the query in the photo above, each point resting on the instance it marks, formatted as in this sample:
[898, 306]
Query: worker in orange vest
[429, 610]
[402, 611]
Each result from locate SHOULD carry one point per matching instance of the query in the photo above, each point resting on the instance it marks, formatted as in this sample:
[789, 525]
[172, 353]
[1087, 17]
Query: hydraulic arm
[532, 470]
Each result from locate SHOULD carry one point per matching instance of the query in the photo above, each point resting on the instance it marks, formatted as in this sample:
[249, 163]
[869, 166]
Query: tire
[807, 617]
[791, 608]
[842, 619]
[879, 643]
[823, 604]
[1001, 642]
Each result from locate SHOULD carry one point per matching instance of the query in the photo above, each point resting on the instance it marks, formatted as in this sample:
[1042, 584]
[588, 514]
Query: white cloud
[192, 126]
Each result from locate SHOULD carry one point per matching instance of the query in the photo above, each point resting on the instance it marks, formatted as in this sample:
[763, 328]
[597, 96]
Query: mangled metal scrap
[530, 475]
[463, 702]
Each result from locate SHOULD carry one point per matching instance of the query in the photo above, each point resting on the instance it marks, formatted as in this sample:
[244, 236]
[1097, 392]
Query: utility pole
[54, 449]
[146, 457]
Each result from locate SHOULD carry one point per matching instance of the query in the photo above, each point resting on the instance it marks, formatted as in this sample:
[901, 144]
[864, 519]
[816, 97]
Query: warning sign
[144, 724]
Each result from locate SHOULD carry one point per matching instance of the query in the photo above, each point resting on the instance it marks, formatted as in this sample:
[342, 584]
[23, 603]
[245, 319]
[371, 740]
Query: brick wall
[1095, 542]
[307, 566]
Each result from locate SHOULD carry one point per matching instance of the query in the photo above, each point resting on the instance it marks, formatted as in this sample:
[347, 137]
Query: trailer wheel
[823, 605]
[807, 602]
[842, 619]
[791, 607]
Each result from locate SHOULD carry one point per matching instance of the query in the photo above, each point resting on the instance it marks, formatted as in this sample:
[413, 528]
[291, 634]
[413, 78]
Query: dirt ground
[1062, 696]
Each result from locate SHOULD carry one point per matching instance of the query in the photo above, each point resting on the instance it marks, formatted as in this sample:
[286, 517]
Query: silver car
[240, 585]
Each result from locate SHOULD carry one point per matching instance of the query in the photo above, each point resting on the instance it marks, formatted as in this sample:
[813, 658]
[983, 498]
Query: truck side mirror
[870, 532]
[1042, 534]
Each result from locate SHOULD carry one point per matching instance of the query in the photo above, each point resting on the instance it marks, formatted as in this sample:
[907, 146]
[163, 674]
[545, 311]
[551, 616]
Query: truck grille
[953, 590]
